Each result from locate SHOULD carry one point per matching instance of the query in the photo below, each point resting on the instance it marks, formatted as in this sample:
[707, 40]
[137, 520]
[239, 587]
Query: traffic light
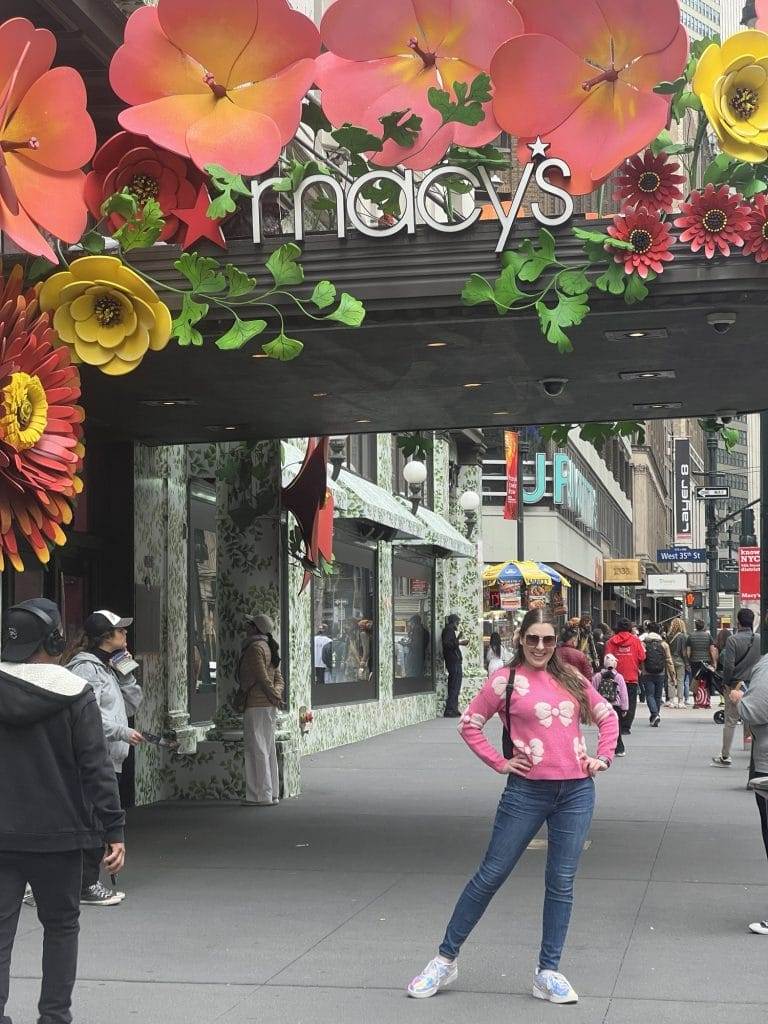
[694, 599]
[748, 538]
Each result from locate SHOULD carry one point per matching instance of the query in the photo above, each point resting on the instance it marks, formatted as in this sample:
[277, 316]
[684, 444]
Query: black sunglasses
[533, 641]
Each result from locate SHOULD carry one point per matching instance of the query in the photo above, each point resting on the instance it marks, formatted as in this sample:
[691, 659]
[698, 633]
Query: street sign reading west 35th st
[712, 493]
[681, 555]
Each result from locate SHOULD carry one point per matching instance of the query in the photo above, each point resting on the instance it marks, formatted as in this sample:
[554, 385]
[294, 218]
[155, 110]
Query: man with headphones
[58, 797]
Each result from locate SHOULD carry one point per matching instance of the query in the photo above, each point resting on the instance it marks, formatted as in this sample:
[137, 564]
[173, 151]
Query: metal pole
[523, 450]
[764, 528]
[713, 547]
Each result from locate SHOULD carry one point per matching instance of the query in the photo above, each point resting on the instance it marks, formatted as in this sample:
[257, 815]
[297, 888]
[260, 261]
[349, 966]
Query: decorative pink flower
[716, 218]
[148, 172]
[384, 57]
[650, 238]
[583, 80]
[220, 82]
[756, 237]
[650, 183]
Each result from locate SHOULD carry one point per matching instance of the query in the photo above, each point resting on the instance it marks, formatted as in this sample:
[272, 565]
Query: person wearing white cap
[101, 659]
[259, 677]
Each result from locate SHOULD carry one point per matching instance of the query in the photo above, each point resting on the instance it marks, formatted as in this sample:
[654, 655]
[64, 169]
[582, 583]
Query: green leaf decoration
[486, 156]
[506, 291]
[670, 88]
[385, 194]
[573, 282]
[203, 272]
[283, 265]
[183, 326]
[415, 445]
[602, 238]
[402, 132]
[454, 183]
[719, 170]
[730, 437]
[122, 203]
[350, 311]
[143, 229]
[613, 280]
[324, 294]
[569, 312]
[313, 117]
[685, 101]
[477, 290]
[93, 242]
[228, 186]
[357, 140]
[537, 259]
[513, 258]
[637, 289]
[39, 268]
[283, 348]
[240, 333]
[238, 283]
[468, 106]
[298, 171]
[664, 143]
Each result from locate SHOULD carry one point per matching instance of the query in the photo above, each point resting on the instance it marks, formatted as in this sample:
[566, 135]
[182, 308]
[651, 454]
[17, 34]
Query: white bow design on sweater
[546, 713]
[534, 751]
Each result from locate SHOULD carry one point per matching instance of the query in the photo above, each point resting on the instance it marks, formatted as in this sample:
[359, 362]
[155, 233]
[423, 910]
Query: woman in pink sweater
[541, 703]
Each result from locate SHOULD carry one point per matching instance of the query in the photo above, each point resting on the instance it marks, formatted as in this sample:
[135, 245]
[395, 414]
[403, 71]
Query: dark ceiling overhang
[384, 377]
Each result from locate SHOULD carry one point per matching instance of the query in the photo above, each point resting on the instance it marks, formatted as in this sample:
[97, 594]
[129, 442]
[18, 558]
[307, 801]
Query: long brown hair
[570, 680]
[676, 626]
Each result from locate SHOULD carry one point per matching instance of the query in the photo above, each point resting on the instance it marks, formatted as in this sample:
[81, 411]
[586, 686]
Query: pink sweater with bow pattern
[544, 723]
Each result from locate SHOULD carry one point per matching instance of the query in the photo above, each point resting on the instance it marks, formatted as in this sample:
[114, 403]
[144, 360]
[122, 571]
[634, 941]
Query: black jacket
[451, 648]
[58, 789]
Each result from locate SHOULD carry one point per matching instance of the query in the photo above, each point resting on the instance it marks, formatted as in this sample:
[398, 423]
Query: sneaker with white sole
[759, 783]
[759, 928]
[29, 898]
[721, 762]
[98, 895]
[554, 987]
[436, 975]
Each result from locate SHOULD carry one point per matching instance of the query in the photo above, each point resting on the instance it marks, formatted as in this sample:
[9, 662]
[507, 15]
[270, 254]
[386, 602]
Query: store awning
[538, 573]
[443, 536]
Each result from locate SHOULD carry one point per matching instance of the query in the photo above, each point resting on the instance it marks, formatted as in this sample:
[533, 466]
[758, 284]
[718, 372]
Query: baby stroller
[707, 680]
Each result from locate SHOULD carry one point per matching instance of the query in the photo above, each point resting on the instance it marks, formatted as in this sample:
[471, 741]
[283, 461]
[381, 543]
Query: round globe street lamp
[470, 503]
[415, 475]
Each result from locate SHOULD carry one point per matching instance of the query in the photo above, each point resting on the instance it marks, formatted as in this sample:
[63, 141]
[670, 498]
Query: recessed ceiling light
[260, 355]
[502, 412]
[473, 385]
[656, 334]
[217, 428]
[437, 344]
[320, 394]
[653, 406]
[362, 421]
[157, 403]
[647, 375]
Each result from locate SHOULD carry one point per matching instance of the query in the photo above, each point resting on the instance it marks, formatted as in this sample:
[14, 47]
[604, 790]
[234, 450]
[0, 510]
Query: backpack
[507, 747]
[608, 688]
[655, 660]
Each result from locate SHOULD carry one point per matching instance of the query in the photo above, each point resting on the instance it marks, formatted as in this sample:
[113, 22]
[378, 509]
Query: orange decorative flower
[384, 57]
[41, 448]
[46, 136]
[714, 220]
[221, 83]
[148, 172]
[756, 237]
[584, 82]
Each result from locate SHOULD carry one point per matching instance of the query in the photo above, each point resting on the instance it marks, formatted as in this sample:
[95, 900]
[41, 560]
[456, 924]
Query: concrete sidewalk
[320, 911]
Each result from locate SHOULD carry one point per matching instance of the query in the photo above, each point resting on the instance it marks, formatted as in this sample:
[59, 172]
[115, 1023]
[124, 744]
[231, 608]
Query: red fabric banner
[749, 574]
[512, 457]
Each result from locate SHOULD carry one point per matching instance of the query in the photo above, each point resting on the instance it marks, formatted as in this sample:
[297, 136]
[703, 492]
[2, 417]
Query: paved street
[320, 911]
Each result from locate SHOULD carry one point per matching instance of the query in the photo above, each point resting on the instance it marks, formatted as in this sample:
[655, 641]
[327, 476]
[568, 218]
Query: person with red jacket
[630, 655]
[568, 651]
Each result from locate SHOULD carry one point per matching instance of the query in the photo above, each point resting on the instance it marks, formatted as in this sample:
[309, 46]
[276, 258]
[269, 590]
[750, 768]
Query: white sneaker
[759, 928]
[690, 702]
[436, 975]
[29, 899]
[554, 987]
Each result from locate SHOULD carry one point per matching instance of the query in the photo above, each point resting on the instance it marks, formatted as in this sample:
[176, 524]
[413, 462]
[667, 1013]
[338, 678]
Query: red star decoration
[199, 225]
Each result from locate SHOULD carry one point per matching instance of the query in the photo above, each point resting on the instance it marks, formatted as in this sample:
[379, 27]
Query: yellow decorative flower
[23, 411]
[732, 83]
[106, 313]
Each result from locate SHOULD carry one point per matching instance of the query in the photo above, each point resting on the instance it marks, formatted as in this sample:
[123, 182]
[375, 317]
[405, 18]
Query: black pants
[455, 675]
[92, 866]
[628, 719]
[55, 880]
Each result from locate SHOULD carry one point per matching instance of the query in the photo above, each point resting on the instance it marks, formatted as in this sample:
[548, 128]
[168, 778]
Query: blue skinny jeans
[525, 805]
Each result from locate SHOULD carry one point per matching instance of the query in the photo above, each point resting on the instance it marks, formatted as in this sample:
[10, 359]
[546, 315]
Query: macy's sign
[416, 200]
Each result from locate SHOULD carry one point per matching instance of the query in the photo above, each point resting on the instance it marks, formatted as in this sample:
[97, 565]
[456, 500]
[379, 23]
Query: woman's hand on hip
[593, 765]
[518, 764]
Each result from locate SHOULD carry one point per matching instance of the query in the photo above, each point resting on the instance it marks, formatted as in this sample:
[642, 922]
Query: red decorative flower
[650, 183]
[716, 218]
[41, 430]
[148, 172]
[756, 238]
[650, 239]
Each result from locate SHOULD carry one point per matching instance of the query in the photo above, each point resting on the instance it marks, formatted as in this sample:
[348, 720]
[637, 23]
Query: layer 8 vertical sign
[683, 492]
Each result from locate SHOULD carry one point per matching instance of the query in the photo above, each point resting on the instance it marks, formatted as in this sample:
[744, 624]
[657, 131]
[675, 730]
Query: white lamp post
[415, 475]
[469, 502]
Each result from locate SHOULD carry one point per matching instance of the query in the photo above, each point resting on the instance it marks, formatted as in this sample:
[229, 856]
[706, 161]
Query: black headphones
[54, 643]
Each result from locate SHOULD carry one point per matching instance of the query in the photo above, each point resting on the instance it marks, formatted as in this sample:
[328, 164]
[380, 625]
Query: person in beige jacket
[260, 678]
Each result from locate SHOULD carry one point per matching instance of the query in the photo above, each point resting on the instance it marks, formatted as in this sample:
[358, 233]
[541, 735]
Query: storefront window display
[202, 601]
[413, 624]
[344, 627]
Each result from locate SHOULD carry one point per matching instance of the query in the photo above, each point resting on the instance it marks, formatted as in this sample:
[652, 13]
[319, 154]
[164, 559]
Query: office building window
[344, 627]
[413, 623]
